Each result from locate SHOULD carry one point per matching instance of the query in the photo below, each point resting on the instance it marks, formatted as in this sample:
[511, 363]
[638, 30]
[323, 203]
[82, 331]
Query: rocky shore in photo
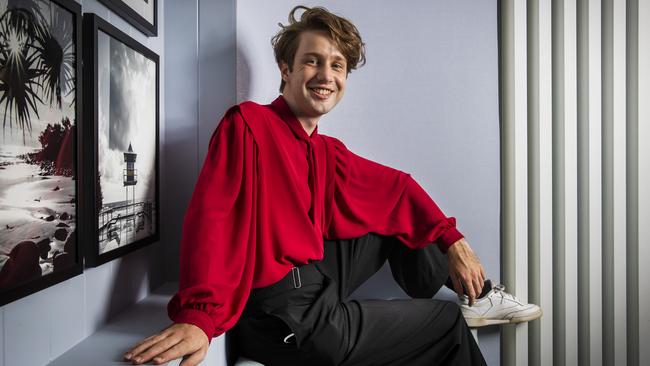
[37, 219]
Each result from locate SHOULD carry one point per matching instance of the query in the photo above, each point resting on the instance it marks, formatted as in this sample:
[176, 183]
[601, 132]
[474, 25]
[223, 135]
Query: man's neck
[308, 123]
[309, 126]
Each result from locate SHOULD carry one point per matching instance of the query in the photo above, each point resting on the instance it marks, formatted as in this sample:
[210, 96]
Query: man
[285, 223]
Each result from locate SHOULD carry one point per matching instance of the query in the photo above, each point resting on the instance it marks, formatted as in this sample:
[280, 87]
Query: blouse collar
[286, 114]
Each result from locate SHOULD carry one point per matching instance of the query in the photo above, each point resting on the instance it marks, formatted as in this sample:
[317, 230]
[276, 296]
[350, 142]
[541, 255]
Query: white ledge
[106, 346]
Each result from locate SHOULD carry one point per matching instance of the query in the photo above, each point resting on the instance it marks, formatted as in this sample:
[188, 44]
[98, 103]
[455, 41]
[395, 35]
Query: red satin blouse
[267, 196]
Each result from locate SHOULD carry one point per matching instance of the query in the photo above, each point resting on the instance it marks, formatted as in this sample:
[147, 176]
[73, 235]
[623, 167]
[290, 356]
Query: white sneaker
[497, 307]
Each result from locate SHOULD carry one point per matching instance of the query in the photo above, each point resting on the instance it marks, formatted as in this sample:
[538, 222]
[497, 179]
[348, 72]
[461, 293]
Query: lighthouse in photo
[130, 180]
[130, 174]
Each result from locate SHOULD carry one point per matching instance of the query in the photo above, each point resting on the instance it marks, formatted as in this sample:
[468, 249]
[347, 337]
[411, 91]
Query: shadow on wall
[192, 116]
[135, 276]
[243, 76]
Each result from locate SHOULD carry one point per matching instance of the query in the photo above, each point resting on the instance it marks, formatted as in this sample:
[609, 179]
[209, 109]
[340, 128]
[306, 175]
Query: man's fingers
[158, 336]
[466, 270]
[478, 285]
[195, 358]
[177, 351]
[144, 345]
[471, 293]
[156, 349]
[458, 287]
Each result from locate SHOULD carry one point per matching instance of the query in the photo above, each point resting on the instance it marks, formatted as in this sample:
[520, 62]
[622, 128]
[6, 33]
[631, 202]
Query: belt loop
[295, 273]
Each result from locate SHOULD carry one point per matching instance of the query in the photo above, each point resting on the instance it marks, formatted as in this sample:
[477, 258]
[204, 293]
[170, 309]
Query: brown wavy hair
[344, 34]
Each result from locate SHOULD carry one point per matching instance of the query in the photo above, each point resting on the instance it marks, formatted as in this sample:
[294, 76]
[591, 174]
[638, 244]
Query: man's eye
[338, 66]
[312, 62]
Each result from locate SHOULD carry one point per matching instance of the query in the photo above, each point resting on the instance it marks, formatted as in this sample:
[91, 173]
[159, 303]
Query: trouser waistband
[297, 277]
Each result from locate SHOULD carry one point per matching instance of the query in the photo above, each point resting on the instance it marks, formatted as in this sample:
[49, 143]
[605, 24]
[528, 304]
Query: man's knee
[420, 292]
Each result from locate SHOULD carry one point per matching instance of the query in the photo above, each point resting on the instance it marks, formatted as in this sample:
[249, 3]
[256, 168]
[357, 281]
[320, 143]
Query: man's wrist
[196, 318]
[450, 237]
[458, 246]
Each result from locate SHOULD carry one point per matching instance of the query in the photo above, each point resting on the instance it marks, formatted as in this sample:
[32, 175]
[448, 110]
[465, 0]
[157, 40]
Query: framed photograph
[40, 155]
[122, 171]
[142, 14]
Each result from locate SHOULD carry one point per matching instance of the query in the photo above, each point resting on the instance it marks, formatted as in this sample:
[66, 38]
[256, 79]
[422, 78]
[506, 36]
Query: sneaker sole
[527, 318]
[484, 322]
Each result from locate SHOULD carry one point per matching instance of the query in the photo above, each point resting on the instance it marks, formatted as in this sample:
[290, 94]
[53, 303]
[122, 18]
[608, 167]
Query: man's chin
[321, 111]
[321, 108]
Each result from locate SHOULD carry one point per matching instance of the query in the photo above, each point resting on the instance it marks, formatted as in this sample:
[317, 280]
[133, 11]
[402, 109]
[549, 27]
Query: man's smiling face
[316, 82]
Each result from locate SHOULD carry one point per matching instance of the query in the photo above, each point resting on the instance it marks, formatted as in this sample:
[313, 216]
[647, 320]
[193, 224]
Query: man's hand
[177, 340]
[465, 270]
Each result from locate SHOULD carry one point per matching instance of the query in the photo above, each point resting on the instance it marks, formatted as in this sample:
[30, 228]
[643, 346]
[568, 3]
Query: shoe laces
[500, 289]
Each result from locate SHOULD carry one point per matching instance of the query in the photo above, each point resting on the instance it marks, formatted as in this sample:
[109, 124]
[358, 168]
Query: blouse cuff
[198, 318]
[448, 238]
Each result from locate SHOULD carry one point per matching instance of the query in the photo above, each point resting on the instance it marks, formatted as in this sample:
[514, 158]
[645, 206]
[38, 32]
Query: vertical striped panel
[545, 184]
[595, 187]
[521, 173]
[572, 174]
[533, 177]
[559, 308]
[515, 166]
[632, 277]
[619, 180]
[644, 178]
[570, 182]
[614, 180]
[608, 174]
[583, 181]
[507, 112]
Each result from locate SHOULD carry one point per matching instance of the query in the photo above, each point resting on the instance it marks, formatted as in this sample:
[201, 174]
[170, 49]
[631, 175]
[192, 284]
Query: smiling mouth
[322, 92]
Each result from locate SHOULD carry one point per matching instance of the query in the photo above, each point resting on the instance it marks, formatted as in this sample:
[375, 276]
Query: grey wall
[42, 326]
[426, 103]
[200, 67]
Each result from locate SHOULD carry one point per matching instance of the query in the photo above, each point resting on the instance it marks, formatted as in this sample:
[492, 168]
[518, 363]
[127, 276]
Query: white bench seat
[106, 346]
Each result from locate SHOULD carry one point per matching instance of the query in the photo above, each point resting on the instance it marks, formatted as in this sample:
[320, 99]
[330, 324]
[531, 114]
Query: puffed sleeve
[217, 253]
[370, 197]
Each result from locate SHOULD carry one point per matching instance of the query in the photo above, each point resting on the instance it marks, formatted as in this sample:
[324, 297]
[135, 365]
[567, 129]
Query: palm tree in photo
[56, 47]
[50, 63]
[24, 14]
[37, 61]
[19, 75]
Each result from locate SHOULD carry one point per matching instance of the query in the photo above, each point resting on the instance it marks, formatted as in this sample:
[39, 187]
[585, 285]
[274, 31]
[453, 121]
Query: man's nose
[325, 73]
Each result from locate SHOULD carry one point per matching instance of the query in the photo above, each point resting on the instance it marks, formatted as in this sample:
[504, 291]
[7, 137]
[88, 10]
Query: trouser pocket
[291, 309]
[294, 332]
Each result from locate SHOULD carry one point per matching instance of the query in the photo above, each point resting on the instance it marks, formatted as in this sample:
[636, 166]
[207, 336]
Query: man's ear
[284, 70]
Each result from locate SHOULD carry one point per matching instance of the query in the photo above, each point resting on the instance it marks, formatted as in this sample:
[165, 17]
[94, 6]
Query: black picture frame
[98, 234]
[70, 258]
[134, 17]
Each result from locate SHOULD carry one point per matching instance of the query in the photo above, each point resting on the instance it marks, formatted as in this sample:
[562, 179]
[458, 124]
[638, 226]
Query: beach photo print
[124, 171]
[40, 109]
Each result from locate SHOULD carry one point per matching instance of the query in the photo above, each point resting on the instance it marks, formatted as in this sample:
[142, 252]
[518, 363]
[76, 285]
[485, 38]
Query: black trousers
[329, 329]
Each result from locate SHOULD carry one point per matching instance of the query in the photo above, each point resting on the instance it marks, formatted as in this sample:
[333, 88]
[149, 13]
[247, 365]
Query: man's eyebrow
[337, 57]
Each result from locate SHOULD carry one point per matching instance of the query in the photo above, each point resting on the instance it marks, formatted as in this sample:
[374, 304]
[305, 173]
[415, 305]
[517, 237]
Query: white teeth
[322, 91]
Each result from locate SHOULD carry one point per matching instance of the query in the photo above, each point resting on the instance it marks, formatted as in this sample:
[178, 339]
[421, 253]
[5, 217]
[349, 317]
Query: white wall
[42, 326]
[426, 103]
